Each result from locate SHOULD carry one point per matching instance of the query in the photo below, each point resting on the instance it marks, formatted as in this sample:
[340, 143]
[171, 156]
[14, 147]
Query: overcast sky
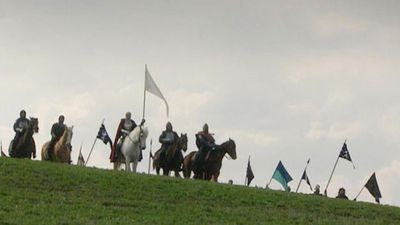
[287, 80]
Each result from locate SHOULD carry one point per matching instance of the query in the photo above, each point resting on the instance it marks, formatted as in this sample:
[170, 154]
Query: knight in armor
[20, 126]
[125, 126]
[205, 142]
[57, 131]
[167, 138]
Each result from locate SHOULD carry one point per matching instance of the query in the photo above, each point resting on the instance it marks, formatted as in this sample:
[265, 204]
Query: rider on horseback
[20, 126]
[125, 126]
[57, 130]
[205, 143]
[167, 138]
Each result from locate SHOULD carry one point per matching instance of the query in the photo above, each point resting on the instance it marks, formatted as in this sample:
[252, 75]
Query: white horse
[132, 145]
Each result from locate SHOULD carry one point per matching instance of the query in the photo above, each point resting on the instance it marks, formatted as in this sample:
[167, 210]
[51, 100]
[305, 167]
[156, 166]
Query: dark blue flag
[103, 135]
[305, 177]
[249, 173]
[373, 188]
[344, 153]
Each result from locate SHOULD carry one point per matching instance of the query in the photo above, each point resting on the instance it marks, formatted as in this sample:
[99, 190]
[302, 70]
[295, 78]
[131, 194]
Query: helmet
[205, 127]
[169, 126]
[128, 115]
[22, 113]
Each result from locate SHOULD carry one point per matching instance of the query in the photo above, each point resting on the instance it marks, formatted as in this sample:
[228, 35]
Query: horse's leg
[165, 171]
[134, 166]
[177, 173]
[127, 164]
[215, 176]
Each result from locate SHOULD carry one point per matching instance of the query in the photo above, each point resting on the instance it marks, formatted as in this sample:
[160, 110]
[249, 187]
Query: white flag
[81, 160]
[152, 87]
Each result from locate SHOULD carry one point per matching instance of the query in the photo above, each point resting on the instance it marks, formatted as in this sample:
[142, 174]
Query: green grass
[47, 193]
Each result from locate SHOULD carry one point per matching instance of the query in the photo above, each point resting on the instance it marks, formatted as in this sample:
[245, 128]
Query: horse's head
[34, 124]
[69, 132]
[144, 132]
[230, 147]
[183, 140]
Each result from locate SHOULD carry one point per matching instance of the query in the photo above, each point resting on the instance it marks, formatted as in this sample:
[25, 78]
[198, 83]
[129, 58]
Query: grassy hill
[46, 193]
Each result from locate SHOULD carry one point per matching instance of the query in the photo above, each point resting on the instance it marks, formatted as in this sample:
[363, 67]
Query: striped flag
[282, 176]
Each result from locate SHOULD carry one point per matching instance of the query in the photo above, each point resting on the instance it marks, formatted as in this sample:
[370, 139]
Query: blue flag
[103, 135]
[282, 176]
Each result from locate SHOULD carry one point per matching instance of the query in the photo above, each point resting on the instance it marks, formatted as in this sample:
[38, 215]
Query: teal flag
[282, 176]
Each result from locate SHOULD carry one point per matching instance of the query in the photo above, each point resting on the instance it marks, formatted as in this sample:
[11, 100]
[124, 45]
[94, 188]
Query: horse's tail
[187, 164]
[45, 154]
[156, 161]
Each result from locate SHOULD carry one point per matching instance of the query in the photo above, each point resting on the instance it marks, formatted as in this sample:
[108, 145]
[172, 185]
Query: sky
[287, 80]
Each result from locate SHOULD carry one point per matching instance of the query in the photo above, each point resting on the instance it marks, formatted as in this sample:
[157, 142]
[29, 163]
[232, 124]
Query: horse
[212, 163]
[25, 146]
[133, 143]
[173, 157]
[62, 149]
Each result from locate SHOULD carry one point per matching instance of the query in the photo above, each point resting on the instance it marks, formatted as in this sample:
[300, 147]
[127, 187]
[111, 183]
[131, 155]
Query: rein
[133, 142]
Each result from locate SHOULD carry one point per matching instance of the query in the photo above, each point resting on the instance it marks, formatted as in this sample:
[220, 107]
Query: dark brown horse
[173, 159]
[212, 163]
[25, 146]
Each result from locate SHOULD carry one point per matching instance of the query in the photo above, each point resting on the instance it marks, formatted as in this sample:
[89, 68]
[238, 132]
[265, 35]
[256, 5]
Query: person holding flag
[125, 126]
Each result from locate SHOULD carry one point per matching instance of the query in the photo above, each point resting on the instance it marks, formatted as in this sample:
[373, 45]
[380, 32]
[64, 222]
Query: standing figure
[57, 130]
[342, 194]
[126, 125]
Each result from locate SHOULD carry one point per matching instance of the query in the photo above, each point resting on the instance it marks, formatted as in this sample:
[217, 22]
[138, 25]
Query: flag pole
[298, 186]
[151, 144]
[359, 193]
[337, 160]
[270, 181]
[326, 188]
[94, 143]
[144, 92]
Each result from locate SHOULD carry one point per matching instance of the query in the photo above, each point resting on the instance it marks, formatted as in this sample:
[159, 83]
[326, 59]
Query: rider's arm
[53, 130]
[161, 139]
[16, 128]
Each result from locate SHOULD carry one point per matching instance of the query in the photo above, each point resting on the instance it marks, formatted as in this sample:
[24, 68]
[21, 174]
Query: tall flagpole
[326, 188]
[298, 186]
[144, 92]
[94, 143]
[355, 199]
[270, 181]
[337, 160]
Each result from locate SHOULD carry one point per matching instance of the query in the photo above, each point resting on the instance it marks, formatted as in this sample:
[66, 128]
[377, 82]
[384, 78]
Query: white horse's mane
[134, 135]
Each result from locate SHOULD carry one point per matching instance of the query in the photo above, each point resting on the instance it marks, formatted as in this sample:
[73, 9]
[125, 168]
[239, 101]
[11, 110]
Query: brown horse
[62, 149]
[212, 163]
[25, 146]
[173, 159]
